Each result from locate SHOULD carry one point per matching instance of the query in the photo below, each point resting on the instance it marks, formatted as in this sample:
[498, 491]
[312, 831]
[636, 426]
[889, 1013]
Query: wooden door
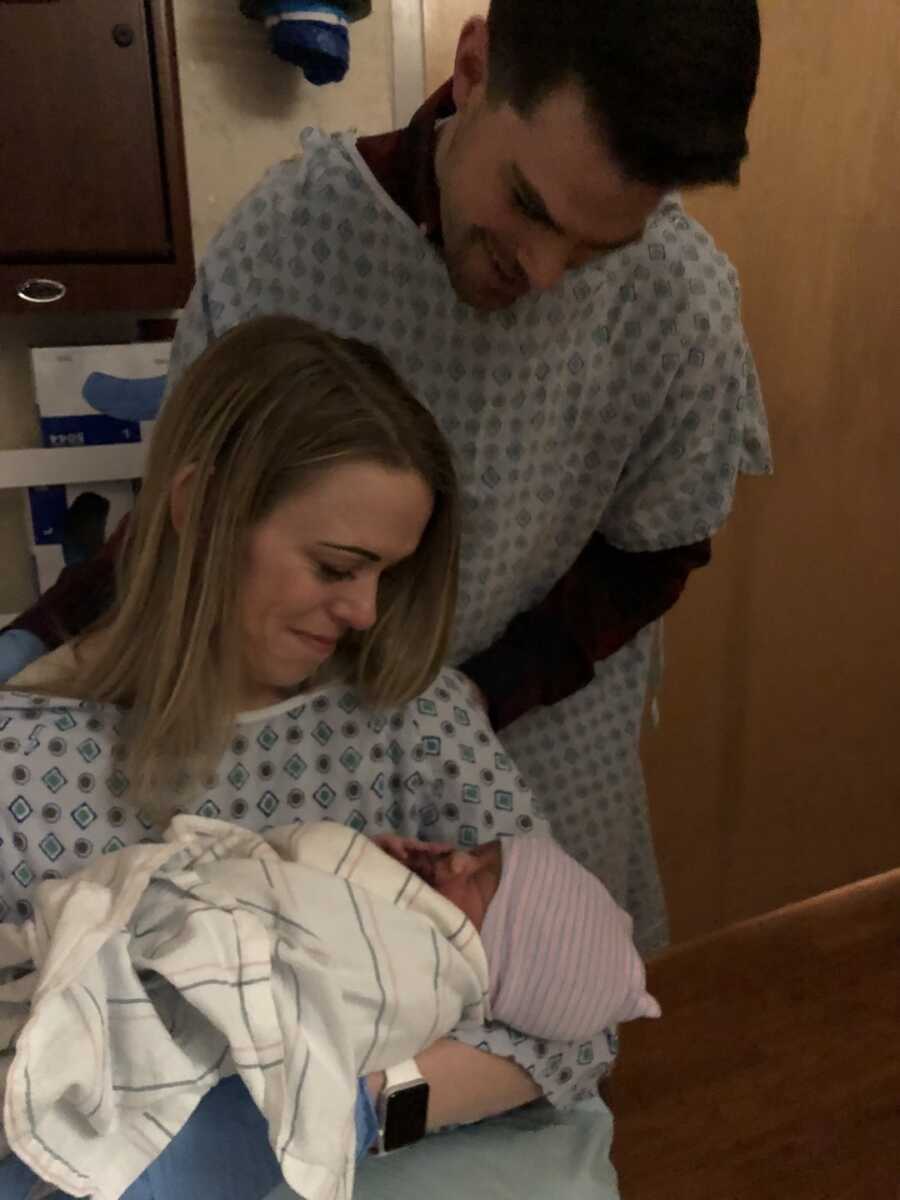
[775, 773]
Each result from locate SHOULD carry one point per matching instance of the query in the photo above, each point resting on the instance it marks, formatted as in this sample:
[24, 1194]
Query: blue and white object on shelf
[89, 396]
[126, 399]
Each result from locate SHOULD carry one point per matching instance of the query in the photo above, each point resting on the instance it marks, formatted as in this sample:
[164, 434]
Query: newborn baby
[559, 949]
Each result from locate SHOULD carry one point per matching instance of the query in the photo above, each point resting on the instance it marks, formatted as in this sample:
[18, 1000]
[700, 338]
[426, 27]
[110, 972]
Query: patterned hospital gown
[434, 770]
[625, 400]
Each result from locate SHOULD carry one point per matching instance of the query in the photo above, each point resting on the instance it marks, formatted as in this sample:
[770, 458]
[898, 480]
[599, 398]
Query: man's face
[524, 199]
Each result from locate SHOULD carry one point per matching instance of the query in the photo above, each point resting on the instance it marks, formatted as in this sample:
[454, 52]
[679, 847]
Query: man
[518, 255]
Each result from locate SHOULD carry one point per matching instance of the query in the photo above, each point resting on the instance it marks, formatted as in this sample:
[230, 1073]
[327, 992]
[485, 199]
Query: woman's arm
[467, 1084]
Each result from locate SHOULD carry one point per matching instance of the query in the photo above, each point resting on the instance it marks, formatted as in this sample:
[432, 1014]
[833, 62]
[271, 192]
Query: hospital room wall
[243, 110]
[775, 774]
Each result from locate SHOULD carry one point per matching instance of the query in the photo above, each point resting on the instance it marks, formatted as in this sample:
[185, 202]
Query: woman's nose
[357, 605]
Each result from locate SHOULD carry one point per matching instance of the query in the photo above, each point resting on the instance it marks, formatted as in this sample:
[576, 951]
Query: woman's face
[313, 566]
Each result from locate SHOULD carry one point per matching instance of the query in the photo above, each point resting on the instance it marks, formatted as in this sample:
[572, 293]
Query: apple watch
[402, 1108]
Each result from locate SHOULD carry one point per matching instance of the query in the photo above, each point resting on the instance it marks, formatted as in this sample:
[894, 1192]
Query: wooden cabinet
[93, 197]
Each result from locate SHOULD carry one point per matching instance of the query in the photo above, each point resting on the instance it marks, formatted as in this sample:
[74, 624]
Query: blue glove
[18, 648]
[124, 399]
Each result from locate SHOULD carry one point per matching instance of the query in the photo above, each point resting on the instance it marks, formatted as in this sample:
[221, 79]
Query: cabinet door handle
[123, 35]
[41, 291]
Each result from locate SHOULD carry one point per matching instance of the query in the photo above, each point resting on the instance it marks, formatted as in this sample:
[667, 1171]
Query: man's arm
[81, 594]
[605, 599]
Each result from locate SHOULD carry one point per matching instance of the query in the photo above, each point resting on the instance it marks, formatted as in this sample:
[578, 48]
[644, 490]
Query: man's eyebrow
[534, 200]
[358, 550]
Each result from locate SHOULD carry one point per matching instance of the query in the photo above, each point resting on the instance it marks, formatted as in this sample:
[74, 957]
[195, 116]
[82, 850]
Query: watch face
[406, 1114]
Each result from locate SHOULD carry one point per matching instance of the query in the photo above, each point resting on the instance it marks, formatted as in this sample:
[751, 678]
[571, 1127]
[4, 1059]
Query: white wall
[243, 109]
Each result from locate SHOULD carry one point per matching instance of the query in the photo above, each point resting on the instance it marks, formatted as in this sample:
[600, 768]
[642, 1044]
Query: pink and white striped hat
[562, 962]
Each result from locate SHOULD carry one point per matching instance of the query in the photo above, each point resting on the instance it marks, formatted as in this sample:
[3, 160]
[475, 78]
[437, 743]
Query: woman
[237, 469]
[274, 652]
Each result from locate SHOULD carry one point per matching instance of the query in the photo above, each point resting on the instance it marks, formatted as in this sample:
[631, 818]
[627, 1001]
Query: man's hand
[417, 856]
[475, 695]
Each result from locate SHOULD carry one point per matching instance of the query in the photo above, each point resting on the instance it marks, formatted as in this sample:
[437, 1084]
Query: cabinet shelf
[71, 464]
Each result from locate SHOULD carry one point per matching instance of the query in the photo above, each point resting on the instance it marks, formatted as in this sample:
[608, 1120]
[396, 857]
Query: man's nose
[544, 258]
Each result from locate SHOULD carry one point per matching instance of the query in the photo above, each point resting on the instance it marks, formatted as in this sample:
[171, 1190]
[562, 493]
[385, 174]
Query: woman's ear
[470, 67]
[180, 495]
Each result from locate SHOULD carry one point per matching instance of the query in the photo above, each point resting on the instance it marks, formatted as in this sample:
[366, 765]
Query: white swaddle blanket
[164, 968]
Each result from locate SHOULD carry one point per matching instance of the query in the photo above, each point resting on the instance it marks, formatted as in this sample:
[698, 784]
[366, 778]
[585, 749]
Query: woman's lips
[322, 644]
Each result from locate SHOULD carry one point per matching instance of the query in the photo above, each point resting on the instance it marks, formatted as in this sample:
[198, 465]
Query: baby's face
[469, 878]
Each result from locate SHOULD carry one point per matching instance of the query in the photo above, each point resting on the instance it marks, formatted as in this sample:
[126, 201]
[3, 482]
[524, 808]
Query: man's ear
[180, 495]
[471, 65]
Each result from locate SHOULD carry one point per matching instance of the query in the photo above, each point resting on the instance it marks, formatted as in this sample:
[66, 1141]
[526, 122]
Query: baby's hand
[416, 855]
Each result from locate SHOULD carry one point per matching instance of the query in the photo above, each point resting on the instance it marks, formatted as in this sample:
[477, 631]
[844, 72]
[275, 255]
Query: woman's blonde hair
[258, 417]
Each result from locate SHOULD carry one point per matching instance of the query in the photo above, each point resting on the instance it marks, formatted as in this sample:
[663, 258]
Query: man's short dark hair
[669, 82]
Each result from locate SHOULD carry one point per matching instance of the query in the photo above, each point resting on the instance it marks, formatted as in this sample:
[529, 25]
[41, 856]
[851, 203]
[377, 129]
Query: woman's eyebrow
[358, 550]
